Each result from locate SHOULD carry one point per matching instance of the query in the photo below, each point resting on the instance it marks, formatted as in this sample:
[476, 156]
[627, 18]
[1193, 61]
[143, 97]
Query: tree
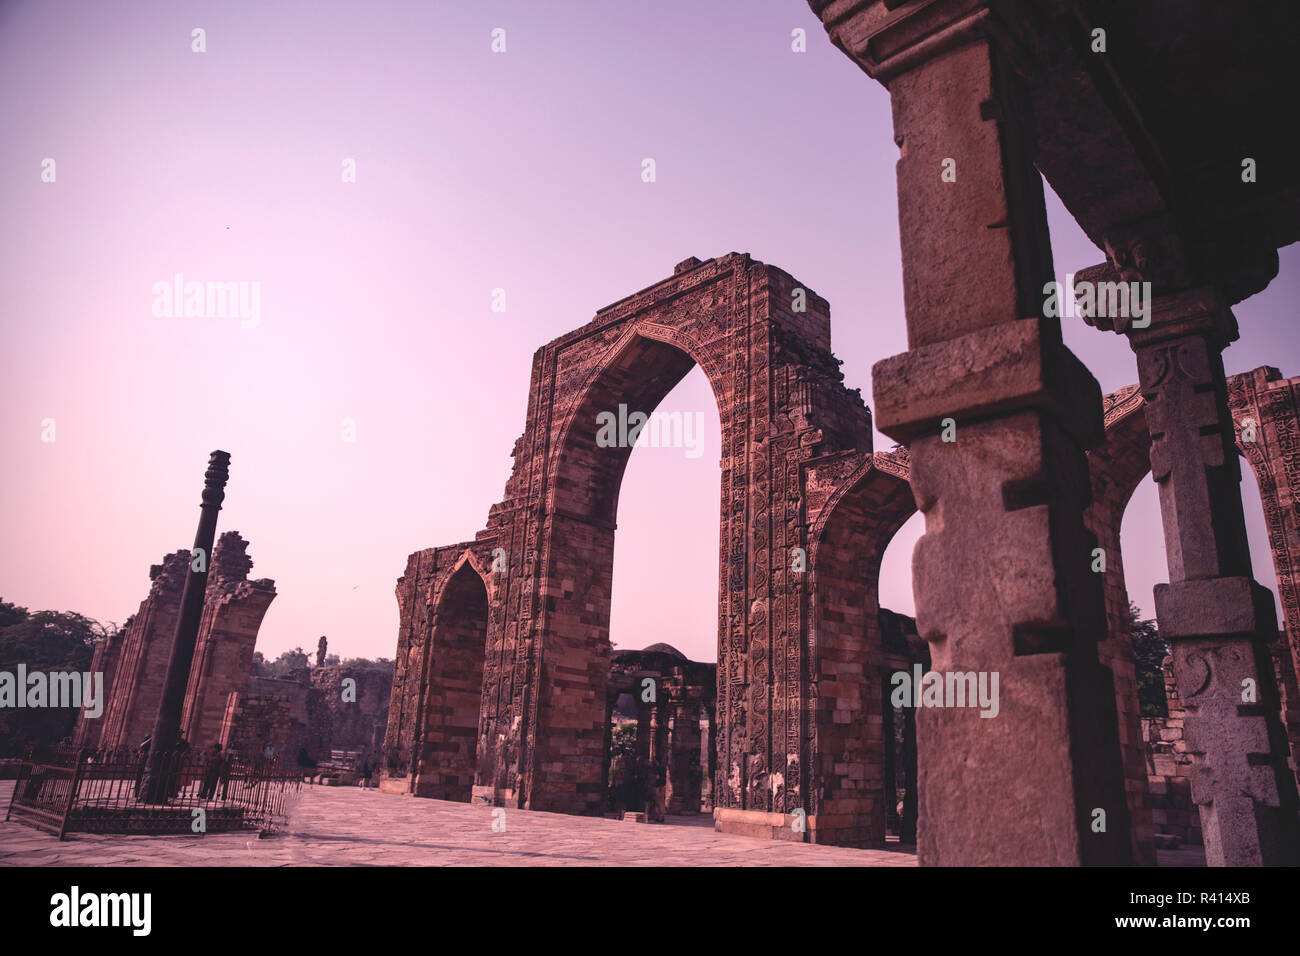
[11, 613]
[46, 642]
[285, 664]
[366, 664]
[1149, 653]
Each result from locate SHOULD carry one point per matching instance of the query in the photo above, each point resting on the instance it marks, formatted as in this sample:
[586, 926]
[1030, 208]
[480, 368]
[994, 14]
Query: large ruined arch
[577, 557]
[787, 422]
[848, 666]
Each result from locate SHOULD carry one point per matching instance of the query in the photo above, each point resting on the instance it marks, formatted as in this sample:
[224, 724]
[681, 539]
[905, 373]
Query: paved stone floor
[347, 826]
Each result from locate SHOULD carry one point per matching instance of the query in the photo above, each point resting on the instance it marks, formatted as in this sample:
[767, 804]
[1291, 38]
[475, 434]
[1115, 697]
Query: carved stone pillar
[707, 801]
[889, 716]
[907, 822]
[684, 758]
[1002, 576]
[1218, 620]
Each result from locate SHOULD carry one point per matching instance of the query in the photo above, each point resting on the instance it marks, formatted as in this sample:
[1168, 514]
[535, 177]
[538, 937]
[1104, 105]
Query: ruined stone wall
[306, 711]
[798, 477]
[89, 730]
[136, 665]
[136, 690]
[356, 724]
[1115, 468]
[762, 339]
[1169, 797]
[285, 712]
[1265, 409]
[223, 654]
[404, 730]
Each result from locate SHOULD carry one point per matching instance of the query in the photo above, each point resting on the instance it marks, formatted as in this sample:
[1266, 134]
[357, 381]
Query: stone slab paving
[348, 826]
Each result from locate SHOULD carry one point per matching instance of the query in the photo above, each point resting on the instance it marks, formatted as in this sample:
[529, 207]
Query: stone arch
[1116, 467]
[1264, 398]
[849, 668]
[640, 370]
[789, 428]
[577, 561]
[453, 683]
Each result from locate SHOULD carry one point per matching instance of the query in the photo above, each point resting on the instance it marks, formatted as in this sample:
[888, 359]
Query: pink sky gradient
[475, 171]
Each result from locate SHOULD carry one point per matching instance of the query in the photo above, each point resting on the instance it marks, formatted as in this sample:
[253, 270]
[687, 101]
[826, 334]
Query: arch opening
[617, 408]
[857, 649]
[454, 688]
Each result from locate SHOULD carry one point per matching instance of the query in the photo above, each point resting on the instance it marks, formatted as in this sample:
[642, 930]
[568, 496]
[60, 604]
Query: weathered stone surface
[135, 665]
[790, 432]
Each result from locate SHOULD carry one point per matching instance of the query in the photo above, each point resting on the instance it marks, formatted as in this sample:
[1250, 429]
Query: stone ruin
[672, 702]
[306, 713]
[1150, 122]
[504, 670]
[224, 703]
[134, 663]
[1006, 445]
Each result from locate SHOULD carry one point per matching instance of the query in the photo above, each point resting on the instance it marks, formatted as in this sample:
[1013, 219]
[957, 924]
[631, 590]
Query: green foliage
[296, 660]
[382, 664]
[622, 744]
[11, 613]
[43, 641]
[282, 666]
[1149, 652]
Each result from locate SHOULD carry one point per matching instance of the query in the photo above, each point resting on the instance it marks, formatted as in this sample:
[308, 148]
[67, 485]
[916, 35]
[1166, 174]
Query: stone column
[890, 714]
[997, 414]
[684, 758]
[1218, 620]
[907, 822]
[707, 799]
[166, 728]
[611, 700]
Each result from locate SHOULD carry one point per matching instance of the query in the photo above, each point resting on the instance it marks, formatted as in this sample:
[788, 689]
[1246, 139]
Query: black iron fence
[63, 790]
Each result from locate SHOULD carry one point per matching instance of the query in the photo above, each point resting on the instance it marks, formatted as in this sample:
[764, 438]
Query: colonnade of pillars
[1001, 576]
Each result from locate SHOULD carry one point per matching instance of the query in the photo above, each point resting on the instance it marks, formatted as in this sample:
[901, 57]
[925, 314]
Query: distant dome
[663, 649]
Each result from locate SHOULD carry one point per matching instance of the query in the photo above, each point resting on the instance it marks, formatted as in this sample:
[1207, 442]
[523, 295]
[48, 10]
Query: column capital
[888, 37]
[1199, 311]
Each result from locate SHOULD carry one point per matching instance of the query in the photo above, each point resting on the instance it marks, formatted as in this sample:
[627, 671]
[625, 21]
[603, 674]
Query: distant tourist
[660, 791]
[213, 768]
[619, 784]
[142, 752]
[176, 777]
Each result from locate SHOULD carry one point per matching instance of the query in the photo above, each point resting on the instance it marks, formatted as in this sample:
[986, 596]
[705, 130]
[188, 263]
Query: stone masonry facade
[135, 664]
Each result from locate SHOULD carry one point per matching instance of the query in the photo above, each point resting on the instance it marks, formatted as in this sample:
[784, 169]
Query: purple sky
[475, 171]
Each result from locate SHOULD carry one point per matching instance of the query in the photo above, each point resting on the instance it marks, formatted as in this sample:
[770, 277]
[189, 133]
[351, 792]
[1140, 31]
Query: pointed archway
[454, 687]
